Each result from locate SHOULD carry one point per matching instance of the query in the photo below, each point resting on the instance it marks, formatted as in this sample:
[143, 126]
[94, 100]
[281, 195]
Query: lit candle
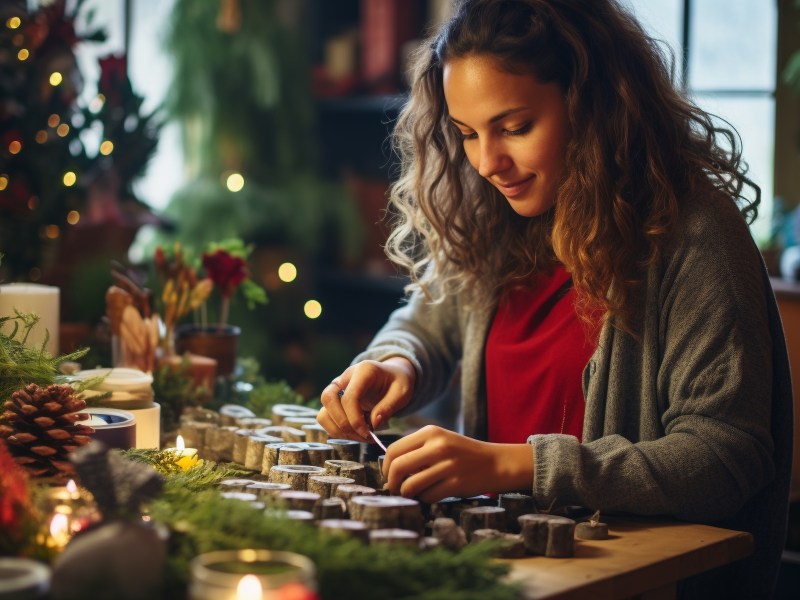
[59, 530]
[249, 588]
[41, 300]
[185, 458]
[72, 490]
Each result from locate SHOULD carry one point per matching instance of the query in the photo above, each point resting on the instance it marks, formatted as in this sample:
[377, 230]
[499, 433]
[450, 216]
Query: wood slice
[283, 411]
[560, 538]
[198, 414]
[509, 545]
[269, 458]
[347, 468]
[253, 423]
[591, 530]
[295, 475]
[267, 490]
[449, 533]
[325, 485]
[240, 445]
[293, 454]
[303, 516]
[387, 512]
[287, 434]
[229, 414]
[329, 508]
[254, 455]
[374, 474]
[194, 434]
[298, 422]
[318, 453]
[356, 529]
[516, 505]
[299, 500]
[234, 485]
[242, 496]
[394, 537]
[429, 543]
[344, 449]
[482, 517]
[218, 445]
[315, 433]
[536, 532]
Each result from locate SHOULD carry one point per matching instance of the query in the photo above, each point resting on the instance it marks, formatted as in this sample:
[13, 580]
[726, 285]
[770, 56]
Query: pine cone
[40, 426]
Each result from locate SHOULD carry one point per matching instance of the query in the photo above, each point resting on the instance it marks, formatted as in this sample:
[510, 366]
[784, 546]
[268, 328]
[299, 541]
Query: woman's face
[514, 129]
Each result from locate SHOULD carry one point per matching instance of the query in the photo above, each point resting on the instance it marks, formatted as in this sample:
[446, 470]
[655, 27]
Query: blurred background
[131, 124]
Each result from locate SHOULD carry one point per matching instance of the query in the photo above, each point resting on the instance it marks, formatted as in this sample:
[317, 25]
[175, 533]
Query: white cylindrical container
[41, 300]
[131, 390]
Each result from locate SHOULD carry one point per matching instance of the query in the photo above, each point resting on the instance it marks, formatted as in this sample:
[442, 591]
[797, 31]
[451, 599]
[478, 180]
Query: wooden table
[643, 557]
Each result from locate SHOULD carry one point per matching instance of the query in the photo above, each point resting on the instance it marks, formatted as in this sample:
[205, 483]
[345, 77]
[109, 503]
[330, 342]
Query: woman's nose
[492, 159]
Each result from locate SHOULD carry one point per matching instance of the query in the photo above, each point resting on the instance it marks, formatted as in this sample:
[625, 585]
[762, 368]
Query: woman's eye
[519, 131]
[468, 136]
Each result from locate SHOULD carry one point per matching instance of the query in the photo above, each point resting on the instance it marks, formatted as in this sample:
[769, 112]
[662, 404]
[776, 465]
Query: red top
[535, 356]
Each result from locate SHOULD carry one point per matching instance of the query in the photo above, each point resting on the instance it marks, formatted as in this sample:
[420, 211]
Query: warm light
[3, 182]
[96, 103]
[287, 272]
[55, 78]
[72, 489]
[33, 202]
[41, 136]
[62, 130]
[180, 445]
[59, 529]
[312, 309]
[23, 54]
[13, 23]
[185, 458]
[235, 182]
[53, 120]
[52, 232]
[15, 146]
[106, 148]
[249, 588]
[73, 217]
[70, 178]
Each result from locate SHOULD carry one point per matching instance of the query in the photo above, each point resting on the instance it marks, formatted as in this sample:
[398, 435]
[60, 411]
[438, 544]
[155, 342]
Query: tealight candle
[249, 588]
[185, 458]
[59, 530]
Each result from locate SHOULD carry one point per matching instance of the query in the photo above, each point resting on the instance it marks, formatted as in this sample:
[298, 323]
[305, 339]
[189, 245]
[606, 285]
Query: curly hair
[643, 150]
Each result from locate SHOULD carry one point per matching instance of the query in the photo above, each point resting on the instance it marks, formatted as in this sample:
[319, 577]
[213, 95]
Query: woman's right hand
[378, 388]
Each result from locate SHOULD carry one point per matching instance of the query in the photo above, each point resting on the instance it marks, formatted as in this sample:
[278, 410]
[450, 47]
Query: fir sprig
[203, 522]
[20, 364]
[206, 475]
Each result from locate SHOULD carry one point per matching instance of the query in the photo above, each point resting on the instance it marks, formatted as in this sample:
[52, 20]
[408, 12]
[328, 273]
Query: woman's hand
[380, 388]
[434, 463]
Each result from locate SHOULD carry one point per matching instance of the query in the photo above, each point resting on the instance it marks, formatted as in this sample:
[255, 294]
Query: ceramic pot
[219, 343]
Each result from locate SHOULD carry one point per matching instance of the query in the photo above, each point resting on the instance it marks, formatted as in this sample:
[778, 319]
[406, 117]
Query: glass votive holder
[248, 574]
[23, 579]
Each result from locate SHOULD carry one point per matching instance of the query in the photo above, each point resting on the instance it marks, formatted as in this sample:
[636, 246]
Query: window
[729, 70]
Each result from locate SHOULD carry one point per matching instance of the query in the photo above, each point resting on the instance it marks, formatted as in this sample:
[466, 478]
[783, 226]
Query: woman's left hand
[434, 463]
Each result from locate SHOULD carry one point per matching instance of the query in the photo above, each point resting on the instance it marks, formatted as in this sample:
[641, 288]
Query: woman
[577, 243]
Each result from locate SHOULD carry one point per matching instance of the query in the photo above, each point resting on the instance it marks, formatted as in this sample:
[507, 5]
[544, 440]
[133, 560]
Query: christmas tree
[53, 179]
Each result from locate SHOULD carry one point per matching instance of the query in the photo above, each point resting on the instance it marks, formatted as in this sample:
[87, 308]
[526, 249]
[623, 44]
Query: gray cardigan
[692, 421]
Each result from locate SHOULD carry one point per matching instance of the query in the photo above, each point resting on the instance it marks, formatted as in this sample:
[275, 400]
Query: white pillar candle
[42, 300]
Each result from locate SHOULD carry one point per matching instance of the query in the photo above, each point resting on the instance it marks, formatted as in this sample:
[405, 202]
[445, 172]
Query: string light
[96, 103]
[106, 148]
[52, 232]
[73, 217]
[41, 136]
[235, 182]
[53, 120]
[33, 202]
[23, 54]
[62, 130]
[3, 182]
[70, 178]
[312, 309]
[15, 146]
[56, 78]
[287, 272]
[13, 23]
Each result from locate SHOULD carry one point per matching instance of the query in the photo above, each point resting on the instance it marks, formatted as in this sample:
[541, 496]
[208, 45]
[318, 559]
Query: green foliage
[204, 521]
[21, 365]
[175, 390]
[204, 476]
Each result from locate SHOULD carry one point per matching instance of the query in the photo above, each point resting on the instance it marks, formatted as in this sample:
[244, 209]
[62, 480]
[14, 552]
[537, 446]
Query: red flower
[225, 270]
[14, 496]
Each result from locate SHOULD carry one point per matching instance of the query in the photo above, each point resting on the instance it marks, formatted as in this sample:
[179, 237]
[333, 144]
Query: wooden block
[292, 454]
[299, 500]
[347, 468]
[449, 533]
[315, 433]
[516, 505]
[387, 512]
[356, 529]
[240, 445]
[230, 413]
[267, 490]
[318, 453]
[283, 411]
[325, 485]
[560, 538]
[482, 517]
[194, 433]
[234, 485]
[535, 533]
[269, 457]
[287, 434]
[344, 449]
[218, 443]
[329, 508]
[295, 475]
[394, 537]
[591, 530]
[253, 423]
[302, 516]
[242, 496]
[254, 454]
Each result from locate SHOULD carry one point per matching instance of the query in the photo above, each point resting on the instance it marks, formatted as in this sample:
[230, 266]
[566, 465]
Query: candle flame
[59, 526]
[180, 445]
[72, 487]
[249, 588]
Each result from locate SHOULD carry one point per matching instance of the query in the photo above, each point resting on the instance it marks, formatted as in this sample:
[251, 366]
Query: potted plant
[225, 265]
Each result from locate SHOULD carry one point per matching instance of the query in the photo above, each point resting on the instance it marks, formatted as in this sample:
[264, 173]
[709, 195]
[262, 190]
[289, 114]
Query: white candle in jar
[41, 300]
